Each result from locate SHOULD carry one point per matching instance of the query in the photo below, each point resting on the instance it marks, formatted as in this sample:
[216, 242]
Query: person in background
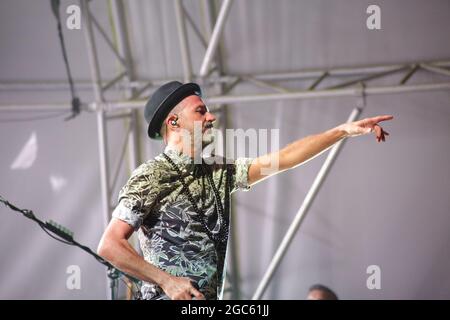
[321, 292]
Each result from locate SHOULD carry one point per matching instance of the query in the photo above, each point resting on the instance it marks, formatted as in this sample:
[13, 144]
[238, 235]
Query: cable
[60, 240]
[30, 214]
[76, 103]
[66, 236]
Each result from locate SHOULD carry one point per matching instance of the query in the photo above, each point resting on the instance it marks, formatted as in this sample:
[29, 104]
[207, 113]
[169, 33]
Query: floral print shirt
[154, 203]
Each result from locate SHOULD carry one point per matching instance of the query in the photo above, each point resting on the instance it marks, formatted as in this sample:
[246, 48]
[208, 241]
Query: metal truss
[275, 91]
[353, 81]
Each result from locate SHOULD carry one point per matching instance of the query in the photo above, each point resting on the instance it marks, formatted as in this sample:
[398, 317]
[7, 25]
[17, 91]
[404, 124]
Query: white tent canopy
[297, 66]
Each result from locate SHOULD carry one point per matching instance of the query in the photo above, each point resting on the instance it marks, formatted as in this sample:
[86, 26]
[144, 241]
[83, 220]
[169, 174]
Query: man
[321, 292]
[180, 207]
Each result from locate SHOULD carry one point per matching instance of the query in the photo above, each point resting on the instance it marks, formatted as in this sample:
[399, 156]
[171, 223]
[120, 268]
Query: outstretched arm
[307, 148]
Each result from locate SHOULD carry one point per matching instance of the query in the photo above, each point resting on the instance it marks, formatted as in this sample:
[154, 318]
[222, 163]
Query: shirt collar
[177, 156]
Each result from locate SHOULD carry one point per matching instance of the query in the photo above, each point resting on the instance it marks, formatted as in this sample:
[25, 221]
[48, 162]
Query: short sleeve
[240, 174]
[137, 197]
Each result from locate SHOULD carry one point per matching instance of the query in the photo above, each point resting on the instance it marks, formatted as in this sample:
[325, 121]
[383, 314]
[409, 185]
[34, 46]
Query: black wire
[66, 61]
[99, 259]
[30, 214]
[60, 240]
[34, 118]
[75, 100]
[26, 212]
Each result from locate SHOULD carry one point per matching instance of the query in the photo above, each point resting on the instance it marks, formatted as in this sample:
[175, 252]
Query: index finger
[197, 294]
[383, 118]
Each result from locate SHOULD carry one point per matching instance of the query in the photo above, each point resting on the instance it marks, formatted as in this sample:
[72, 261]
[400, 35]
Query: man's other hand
[178, 288]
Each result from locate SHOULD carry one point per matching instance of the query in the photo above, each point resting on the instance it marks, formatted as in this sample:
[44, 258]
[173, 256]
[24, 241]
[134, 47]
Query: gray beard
[208, 137]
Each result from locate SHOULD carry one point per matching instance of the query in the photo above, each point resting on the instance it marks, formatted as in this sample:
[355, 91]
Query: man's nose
[210, 117]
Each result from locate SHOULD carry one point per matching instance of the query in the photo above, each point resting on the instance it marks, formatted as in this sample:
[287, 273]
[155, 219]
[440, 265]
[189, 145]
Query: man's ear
[172, 121]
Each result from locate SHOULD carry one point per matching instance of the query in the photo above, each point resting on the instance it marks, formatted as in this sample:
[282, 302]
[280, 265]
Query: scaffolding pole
[125, 52]
[329, 93]
[209, 18]
[101, 125]
[314, 94]
[301, 214]
[438, 67]
[215, 37]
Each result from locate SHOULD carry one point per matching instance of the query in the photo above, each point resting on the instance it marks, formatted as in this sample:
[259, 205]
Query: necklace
[221, 236]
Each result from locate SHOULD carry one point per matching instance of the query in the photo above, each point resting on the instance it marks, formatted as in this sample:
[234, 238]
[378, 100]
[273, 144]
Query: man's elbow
[104, 249]
[114, 241]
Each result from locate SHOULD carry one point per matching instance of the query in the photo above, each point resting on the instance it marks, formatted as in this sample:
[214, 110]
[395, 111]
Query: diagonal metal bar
[194, 26]
[184, 46]
[108, 41]
[366, 78]
[266, 84]
[114, 81]
[137, 93]
[411, 72]
[214, 41]
[435, 69]
[318, 81]
[231, 86]
[301, 214]
[92, 52]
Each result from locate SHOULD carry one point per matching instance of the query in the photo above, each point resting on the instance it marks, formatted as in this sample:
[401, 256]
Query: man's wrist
[163, 279]
[341, 131]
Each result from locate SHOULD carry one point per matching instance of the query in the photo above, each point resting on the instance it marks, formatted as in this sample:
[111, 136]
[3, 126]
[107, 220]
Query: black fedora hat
[164, 99]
